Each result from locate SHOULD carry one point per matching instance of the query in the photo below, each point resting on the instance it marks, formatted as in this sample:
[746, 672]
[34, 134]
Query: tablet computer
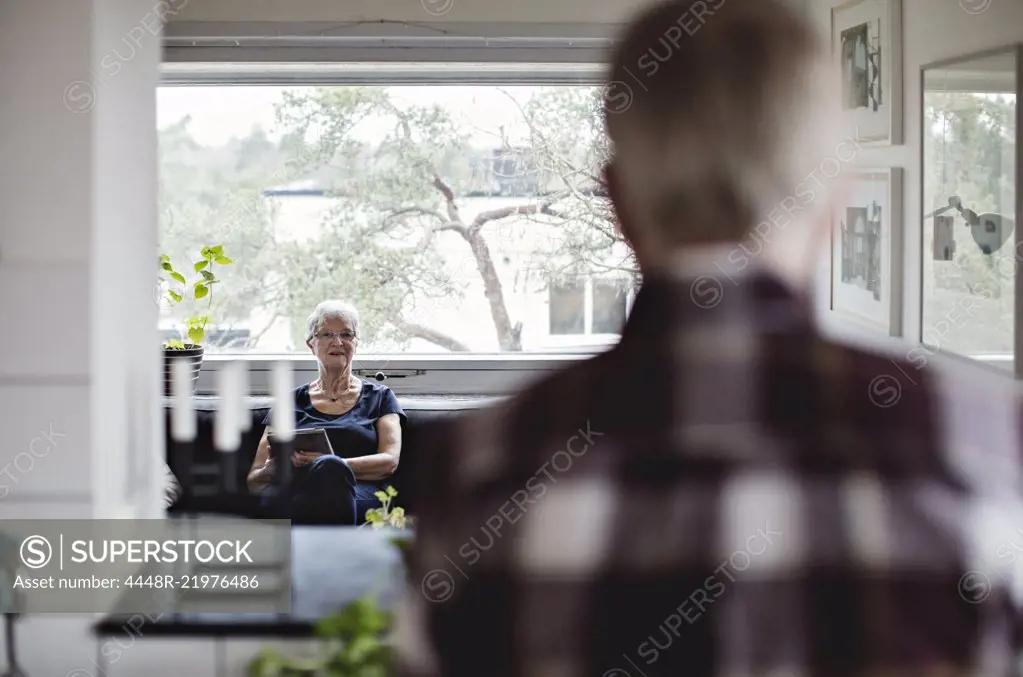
[310, 439]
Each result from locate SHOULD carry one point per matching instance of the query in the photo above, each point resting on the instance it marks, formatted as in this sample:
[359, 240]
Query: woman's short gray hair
[332, 310]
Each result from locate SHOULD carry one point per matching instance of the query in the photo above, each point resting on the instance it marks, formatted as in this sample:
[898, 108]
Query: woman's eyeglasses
[345, 336]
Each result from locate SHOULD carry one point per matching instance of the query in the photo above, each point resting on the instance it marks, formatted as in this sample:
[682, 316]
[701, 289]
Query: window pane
[969, 265]
[568, 308]
[440, 211]
[609, 298]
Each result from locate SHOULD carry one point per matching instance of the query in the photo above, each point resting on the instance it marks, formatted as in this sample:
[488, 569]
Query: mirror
[969, 196]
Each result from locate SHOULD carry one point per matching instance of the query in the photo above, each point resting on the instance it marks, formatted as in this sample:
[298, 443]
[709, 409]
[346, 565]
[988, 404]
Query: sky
[220, 112]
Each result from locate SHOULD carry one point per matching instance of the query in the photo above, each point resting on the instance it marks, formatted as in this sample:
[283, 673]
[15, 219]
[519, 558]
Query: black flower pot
[192, 354]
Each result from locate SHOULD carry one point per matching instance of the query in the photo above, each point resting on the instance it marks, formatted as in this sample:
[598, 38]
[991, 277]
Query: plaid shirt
[726, 492]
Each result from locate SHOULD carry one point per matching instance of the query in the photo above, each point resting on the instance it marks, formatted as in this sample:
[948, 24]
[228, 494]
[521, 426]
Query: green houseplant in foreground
[385, 515]
[352, 645]
[353, 641]
[195, 326]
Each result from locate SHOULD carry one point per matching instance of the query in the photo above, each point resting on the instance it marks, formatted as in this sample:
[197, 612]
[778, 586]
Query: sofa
[207, 494]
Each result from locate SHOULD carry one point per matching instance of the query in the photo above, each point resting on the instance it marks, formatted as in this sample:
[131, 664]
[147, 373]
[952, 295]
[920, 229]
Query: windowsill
[211, 401]
[457, 361]
[998, 364]
[443, 374]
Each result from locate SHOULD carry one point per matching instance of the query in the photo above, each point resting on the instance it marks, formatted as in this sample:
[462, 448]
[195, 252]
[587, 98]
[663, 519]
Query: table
[331, 566]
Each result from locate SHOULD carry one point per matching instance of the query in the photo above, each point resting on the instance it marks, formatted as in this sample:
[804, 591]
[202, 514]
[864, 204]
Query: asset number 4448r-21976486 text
[204, 581]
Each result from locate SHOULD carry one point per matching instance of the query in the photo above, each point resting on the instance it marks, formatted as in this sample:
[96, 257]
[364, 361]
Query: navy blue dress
[326, 490]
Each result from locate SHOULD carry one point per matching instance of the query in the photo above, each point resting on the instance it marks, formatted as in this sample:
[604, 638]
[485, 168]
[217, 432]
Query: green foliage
[201, 288]
[385, 515]
[352, 644]
[213, 192]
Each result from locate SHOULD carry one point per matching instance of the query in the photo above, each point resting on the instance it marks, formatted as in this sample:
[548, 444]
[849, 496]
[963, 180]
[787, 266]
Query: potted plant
[385, 515]
[190, 346]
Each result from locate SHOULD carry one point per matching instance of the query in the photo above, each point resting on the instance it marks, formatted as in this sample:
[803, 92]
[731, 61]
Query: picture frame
[866, 251]
[866, 42]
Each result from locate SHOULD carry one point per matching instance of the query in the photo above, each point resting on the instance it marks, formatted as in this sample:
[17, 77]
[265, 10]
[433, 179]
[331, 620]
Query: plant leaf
[176, 297]
[199, 265]
[223, 260]
[166, 265]
[381, 495]
[217, 250]
[196, 334]
[201, 291]
[179, 277]
[391, 491]
[175, 344]
[207, 275]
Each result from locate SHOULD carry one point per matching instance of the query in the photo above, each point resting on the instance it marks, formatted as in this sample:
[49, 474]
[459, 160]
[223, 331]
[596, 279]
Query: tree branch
[418, 211]
[504, 212]
[538, 138]
[449, 198]
[433, 336]
[428, 231]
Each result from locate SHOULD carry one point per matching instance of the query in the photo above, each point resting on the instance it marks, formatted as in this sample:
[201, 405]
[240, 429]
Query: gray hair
[717, 110]
[332, 310]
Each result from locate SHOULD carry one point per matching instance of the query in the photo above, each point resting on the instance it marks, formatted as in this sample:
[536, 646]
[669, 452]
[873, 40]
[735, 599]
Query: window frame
[274, 44]
[393, 53]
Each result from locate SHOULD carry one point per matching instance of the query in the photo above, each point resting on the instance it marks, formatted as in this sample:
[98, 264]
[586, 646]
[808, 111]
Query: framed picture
[866, 39]
[866, 251]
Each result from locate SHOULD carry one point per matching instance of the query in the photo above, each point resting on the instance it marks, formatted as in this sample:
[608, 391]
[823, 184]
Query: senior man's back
[726, 492]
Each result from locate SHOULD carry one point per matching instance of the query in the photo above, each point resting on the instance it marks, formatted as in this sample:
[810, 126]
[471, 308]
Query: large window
[441, 211]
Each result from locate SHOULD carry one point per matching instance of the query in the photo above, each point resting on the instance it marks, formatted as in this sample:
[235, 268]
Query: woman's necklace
[351, 383]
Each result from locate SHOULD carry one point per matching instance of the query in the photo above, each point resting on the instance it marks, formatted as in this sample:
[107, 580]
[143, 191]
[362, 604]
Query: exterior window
[439, 210]
[609, 305]
[568, 308]
[589, 306]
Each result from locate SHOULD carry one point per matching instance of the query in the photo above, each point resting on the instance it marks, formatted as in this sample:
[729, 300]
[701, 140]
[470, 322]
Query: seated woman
[363, 424]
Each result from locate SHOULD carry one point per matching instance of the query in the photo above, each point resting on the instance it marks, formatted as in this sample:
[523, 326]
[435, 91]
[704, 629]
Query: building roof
[493, 172]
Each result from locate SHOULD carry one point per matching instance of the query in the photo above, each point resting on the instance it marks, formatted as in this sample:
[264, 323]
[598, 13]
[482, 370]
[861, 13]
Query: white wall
[79, 355]
[933, 30]
[77, 255]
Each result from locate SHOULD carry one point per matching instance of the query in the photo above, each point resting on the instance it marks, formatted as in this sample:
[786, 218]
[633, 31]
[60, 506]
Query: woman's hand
[172, 488]
[269, 468]
[263, 467]
[301, 458]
